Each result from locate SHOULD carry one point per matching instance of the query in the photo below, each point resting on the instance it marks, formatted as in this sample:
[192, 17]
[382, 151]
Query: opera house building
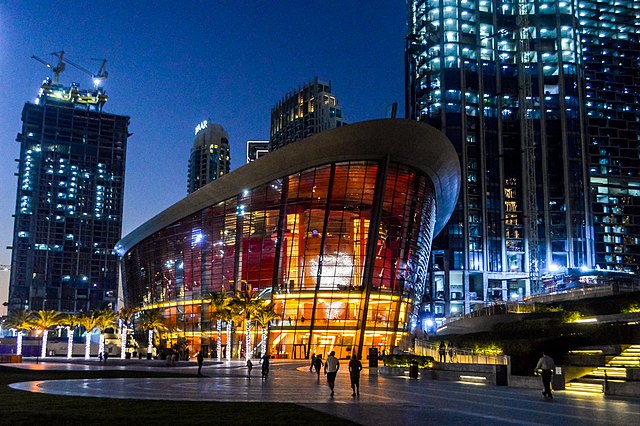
[335, 229]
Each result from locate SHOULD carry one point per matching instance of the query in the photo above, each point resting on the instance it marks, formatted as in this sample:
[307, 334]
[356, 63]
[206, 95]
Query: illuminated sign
[201, 126]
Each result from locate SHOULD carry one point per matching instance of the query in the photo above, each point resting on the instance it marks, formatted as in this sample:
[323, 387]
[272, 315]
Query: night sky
[173, 64]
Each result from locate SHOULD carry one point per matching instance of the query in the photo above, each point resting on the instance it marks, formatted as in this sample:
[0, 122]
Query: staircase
[614, 371]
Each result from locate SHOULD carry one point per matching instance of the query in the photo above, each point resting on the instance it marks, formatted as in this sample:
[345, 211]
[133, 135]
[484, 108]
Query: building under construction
[69, 199]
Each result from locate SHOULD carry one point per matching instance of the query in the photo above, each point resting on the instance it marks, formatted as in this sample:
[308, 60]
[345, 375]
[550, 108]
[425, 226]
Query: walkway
[383, 400]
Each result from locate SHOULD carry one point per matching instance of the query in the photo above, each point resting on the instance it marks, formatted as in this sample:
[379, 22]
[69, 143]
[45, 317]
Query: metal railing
[458, 355]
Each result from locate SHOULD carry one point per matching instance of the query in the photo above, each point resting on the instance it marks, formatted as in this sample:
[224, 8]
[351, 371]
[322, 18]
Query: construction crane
[97, 78]
[528, 142]
[58, 69]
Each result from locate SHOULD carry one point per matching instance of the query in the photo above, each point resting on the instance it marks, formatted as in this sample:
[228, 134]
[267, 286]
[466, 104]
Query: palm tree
[69, 321]
[125, 315]
[152, 320]
[247, 303]
[263, 317]
[106, 319]
[43, 320]
[20, 320]
[229, 315]
[220, 303]
[89, 320]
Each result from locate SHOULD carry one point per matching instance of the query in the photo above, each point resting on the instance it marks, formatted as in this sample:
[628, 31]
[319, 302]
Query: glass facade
[611, 50]
[502, 79]
[340, 248]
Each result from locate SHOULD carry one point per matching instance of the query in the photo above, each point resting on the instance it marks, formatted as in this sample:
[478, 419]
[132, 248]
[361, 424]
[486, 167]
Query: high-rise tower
[306, 111]
[210, 155]
[69, 202]
[503, 80]
[611, 55]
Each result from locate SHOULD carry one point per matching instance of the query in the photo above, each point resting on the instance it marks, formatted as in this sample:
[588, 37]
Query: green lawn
[25, 408]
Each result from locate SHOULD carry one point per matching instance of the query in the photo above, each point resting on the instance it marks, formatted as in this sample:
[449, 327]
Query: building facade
[335, 231]
[307, 111]
[210, 155]
[256, 149]
[69, 202]
[503, 80]
[611, 54]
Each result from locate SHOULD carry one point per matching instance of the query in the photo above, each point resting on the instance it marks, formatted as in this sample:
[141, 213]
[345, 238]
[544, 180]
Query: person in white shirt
[331, 367]
[546, 365]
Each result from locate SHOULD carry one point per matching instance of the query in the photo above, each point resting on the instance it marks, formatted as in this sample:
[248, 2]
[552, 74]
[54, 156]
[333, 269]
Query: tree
[152, 320]
[20, 320]
[247, 303]
[220, 303]
[263, 317]
[125, 315]
[105, 319]
[88, 320]
[43, 320]
[69, 321]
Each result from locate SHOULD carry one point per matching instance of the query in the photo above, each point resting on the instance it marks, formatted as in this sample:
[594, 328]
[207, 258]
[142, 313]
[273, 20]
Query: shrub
[404, 360]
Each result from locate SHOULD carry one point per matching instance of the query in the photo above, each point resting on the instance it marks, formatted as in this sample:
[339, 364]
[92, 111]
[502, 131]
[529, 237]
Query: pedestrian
[331, 367]
[265, 367]
[313, 362]
[442, 350]
[200, 359]
[317, 364]
[105, 356]
[451, 352]
[249, 368]
[100, 357]
[289, 320]
[355, 367]
[546, 366]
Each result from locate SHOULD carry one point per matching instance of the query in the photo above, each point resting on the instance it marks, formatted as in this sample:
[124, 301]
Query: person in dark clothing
[265, 367]
[200, 362]
[106, 355]
[546, 366]
[442, 350]
[355, 367]
[317, 364]
[313, 362]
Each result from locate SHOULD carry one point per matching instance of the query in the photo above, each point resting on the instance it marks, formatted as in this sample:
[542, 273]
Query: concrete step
[612, 372]
[584, 387]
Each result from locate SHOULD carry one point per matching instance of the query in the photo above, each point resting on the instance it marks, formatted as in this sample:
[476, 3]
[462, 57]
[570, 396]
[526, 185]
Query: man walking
[200, 362]
[546, 364]
[331, 367]
[355, 367]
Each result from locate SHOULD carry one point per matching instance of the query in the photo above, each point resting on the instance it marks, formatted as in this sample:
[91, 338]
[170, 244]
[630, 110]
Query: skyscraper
[256, 149]
[210, 155]
[68, 213]
[611, 55]
[503, 80]
[306, 111]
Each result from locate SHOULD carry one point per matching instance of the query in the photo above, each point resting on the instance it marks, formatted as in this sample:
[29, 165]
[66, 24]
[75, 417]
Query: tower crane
[98, 77]
[528, 142]
[58, 69]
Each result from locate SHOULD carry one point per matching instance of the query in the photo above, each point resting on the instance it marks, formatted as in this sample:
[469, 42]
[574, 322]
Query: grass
[26, 408]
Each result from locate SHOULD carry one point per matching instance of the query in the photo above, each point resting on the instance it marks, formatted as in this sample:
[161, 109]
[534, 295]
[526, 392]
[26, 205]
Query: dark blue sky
[173, 64]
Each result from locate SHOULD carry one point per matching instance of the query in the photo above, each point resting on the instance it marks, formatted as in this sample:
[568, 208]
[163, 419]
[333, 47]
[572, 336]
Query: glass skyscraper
[505, 80]
[210, 155]
[68, 213]
[611, 54]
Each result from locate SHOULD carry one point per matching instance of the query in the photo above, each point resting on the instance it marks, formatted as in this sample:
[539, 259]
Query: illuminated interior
[305, 242]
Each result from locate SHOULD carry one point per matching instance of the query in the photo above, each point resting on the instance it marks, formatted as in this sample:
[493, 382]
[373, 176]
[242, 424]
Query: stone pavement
[383, 400]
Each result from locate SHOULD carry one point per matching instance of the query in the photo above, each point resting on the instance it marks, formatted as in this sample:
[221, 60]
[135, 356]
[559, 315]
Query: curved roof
[407, 142]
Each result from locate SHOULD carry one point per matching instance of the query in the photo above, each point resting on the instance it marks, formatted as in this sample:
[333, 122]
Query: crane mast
[528, 143]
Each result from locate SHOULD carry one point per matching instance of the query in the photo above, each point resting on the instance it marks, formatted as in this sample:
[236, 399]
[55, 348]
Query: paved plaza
[383, 399]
